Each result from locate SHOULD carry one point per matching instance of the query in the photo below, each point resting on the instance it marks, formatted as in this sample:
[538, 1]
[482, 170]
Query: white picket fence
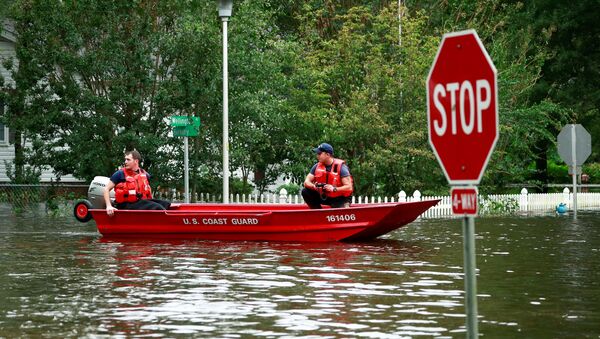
[488, 204]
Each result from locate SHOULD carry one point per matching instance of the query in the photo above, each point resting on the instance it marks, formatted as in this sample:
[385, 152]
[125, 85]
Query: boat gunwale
[264, 208]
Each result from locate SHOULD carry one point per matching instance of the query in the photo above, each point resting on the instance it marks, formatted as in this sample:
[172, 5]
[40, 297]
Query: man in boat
[329, 181]
[132, 188]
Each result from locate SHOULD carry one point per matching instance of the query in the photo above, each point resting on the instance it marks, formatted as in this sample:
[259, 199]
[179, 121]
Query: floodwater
[538, 277]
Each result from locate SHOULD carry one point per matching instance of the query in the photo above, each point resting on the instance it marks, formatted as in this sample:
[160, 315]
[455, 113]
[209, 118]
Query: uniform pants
[314, 200]
[145, 204]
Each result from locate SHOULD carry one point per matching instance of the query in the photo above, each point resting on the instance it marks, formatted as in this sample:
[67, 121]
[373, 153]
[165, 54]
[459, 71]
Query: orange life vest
[332, 177]
[134, 188]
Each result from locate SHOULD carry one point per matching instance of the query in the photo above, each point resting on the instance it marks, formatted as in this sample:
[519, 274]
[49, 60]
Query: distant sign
[574, 147]
[184, 120]
[185, 126]
[574, 142]
[464, 201]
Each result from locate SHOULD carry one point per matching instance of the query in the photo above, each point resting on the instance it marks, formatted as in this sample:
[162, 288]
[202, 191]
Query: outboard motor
[96, 192]
[95, 199]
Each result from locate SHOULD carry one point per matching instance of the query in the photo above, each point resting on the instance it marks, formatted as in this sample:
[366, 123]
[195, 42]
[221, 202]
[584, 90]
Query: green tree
[97, 77]
[519, 52]
[569, 76]
[94, 81]
[373, 86]
[262, 122]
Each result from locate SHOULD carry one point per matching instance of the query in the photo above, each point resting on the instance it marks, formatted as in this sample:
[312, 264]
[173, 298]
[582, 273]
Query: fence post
[417, 196]
[523, 202]
[402, 196]
[283, 196]
[567, 197]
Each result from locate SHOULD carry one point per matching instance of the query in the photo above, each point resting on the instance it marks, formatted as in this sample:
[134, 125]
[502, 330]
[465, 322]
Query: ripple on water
[62, 280]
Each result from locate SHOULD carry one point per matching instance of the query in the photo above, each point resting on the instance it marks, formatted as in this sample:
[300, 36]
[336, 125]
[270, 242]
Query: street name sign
[185, 126]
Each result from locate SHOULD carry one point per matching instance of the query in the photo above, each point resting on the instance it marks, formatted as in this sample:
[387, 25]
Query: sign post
[184, 126]
[574, 147]
[462, 120]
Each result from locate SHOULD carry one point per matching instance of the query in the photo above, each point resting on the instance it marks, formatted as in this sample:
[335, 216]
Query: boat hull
[256, 222]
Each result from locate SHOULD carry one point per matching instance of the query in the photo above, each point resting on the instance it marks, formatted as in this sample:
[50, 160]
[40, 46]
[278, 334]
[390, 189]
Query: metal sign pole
[186, 169]
[225, 117]
[574, 163]
[470, 276]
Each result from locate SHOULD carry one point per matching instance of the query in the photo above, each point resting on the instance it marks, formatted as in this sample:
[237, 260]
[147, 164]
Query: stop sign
[462, 107]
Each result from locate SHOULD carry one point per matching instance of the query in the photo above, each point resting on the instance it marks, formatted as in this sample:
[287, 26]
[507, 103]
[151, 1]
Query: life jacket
[332, 177]
[134, 188]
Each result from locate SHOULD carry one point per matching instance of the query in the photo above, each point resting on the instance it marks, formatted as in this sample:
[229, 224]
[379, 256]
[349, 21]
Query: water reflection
[270, 289]
[63, 279]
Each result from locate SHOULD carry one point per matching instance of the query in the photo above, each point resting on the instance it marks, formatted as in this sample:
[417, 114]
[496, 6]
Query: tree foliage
[94, 78]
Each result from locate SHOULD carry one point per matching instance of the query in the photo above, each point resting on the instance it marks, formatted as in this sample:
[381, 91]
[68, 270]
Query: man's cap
[324, 147]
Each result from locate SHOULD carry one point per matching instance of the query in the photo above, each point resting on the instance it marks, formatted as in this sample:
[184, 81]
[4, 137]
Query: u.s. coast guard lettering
[220, 221]
[341, 217]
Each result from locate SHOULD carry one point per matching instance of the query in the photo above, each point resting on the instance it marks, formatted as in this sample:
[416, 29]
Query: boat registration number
[341, 217]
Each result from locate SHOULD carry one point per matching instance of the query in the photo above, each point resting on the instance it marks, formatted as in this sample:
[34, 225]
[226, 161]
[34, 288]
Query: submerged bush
[501, 206]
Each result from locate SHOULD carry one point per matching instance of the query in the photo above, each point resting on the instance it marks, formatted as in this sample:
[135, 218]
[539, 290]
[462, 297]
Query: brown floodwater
[538, 277]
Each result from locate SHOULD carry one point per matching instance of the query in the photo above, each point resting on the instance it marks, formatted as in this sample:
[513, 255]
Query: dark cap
[324, 147]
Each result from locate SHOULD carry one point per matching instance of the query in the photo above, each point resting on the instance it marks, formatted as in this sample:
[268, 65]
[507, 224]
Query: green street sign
[184, 126]
[185, 131]
[183, 120]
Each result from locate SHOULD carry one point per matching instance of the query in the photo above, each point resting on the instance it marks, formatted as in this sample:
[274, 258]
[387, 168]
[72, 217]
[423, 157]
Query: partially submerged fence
[488, 204]
[52, 195]
[22, 196]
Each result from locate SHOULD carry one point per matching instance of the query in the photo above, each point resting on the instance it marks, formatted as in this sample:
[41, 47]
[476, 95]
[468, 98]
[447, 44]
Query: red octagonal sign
[462, 107]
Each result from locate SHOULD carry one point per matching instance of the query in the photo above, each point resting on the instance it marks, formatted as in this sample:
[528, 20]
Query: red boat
[271, 222]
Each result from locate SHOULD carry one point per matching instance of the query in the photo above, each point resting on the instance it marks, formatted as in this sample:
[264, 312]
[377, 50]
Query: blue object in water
[561, 208]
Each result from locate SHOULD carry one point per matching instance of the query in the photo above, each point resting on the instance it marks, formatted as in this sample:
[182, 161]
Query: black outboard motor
[95, 199]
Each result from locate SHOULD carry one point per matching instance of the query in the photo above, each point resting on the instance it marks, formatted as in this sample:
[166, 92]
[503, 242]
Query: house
[7, 151]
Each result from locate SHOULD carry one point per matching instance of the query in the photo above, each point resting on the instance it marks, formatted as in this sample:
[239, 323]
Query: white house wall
[7, 151]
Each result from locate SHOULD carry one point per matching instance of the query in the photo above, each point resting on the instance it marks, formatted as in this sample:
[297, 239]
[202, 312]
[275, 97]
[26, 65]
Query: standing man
[329, 181]
[132, 188]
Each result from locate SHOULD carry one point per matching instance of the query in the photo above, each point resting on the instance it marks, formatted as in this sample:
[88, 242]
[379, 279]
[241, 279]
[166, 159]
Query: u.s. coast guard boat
[269, 222]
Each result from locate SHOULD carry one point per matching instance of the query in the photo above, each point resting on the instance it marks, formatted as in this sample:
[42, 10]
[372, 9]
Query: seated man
[132, 188]
[329, 181]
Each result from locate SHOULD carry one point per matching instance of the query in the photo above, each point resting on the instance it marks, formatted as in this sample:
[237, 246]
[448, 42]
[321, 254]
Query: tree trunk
[259, 179]
[19, 158]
